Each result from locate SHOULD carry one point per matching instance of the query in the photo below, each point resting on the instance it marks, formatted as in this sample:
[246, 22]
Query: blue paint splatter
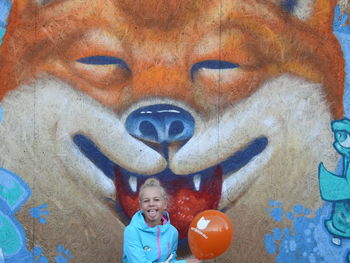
[37, 251]
[66, 254]
[307, 240]
[277, 234]
[39, 212]
[270, 244]
[276, 212]
[38, 255]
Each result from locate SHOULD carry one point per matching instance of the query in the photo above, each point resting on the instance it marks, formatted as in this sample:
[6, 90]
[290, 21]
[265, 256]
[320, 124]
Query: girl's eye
[214, 65]
[103, 60]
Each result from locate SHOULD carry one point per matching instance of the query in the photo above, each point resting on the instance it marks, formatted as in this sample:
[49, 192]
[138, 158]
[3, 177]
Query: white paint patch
[283, 108]
[304, 9]
[54, 114]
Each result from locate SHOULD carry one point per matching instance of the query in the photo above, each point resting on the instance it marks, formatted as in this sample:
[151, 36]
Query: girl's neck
[153, 224]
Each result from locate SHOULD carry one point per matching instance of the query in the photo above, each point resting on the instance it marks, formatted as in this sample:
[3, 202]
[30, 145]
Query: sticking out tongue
[152, 213]
[188, 194]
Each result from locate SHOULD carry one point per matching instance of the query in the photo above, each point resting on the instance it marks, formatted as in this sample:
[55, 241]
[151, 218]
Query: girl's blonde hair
[153, 182]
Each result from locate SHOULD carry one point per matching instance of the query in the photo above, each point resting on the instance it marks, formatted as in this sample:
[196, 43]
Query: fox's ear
[323, 13]
[317, 13]
[311, 11]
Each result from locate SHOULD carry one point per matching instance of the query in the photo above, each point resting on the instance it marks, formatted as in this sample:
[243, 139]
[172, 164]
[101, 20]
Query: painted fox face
[225, 102]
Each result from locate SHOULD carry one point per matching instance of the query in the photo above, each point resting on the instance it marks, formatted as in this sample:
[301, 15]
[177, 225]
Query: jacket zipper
[158, 243]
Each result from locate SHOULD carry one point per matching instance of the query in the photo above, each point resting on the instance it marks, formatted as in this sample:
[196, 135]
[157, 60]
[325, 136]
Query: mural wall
[235, 105]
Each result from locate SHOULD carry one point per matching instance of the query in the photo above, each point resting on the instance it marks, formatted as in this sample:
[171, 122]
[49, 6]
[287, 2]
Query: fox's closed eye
[102, 71]
[212, 65]
[103, 60]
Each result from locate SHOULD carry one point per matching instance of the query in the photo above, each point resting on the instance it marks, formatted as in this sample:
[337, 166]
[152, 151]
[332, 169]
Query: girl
[150, 237]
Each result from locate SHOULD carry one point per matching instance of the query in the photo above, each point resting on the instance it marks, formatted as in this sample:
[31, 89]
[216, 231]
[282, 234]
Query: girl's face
[152, 204]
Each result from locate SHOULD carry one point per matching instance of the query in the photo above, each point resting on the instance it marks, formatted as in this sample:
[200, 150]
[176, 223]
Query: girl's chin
[153, 220]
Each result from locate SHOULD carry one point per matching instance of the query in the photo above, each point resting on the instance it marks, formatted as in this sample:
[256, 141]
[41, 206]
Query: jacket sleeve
[174, 248]
[133, 250]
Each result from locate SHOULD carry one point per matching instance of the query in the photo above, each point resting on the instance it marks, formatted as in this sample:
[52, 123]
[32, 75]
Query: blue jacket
[144, 244]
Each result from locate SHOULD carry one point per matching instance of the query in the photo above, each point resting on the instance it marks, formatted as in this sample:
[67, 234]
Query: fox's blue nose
[160, 123]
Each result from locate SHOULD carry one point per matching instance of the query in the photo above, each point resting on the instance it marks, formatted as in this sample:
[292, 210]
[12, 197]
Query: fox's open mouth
[189, 194]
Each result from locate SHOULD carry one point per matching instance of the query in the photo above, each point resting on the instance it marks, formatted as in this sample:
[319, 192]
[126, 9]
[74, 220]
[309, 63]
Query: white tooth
[133, 183]
[197, 181]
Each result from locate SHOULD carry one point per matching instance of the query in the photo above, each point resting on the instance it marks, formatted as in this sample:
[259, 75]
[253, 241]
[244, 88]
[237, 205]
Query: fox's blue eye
[212, 64]
[103, 60]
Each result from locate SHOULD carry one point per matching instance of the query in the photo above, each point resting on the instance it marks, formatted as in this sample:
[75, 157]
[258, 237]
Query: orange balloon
[210, 234]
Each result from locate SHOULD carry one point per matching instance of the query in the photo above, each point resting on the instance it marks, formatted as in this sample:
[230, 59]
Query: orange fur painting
[228, 103]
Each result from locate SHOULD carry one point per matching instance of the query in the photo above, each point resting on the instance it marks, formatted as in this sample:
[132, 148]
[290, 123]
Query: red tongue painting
[185, 201]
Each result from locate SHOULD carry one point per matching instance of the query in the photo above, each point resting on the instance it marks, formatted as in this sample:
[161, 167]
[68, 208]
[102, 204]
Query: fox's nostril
[176, 128]
[160, 123]
[148, 130]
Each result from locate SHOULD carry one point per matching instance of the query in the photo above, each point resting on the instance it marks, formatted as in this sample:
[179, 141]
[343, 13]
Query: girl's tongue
[152, 213]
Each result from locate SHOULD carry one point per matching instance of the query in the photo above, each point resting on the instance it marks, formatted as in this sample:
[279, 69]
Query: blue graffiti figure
[336, 188]
[13, 194]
